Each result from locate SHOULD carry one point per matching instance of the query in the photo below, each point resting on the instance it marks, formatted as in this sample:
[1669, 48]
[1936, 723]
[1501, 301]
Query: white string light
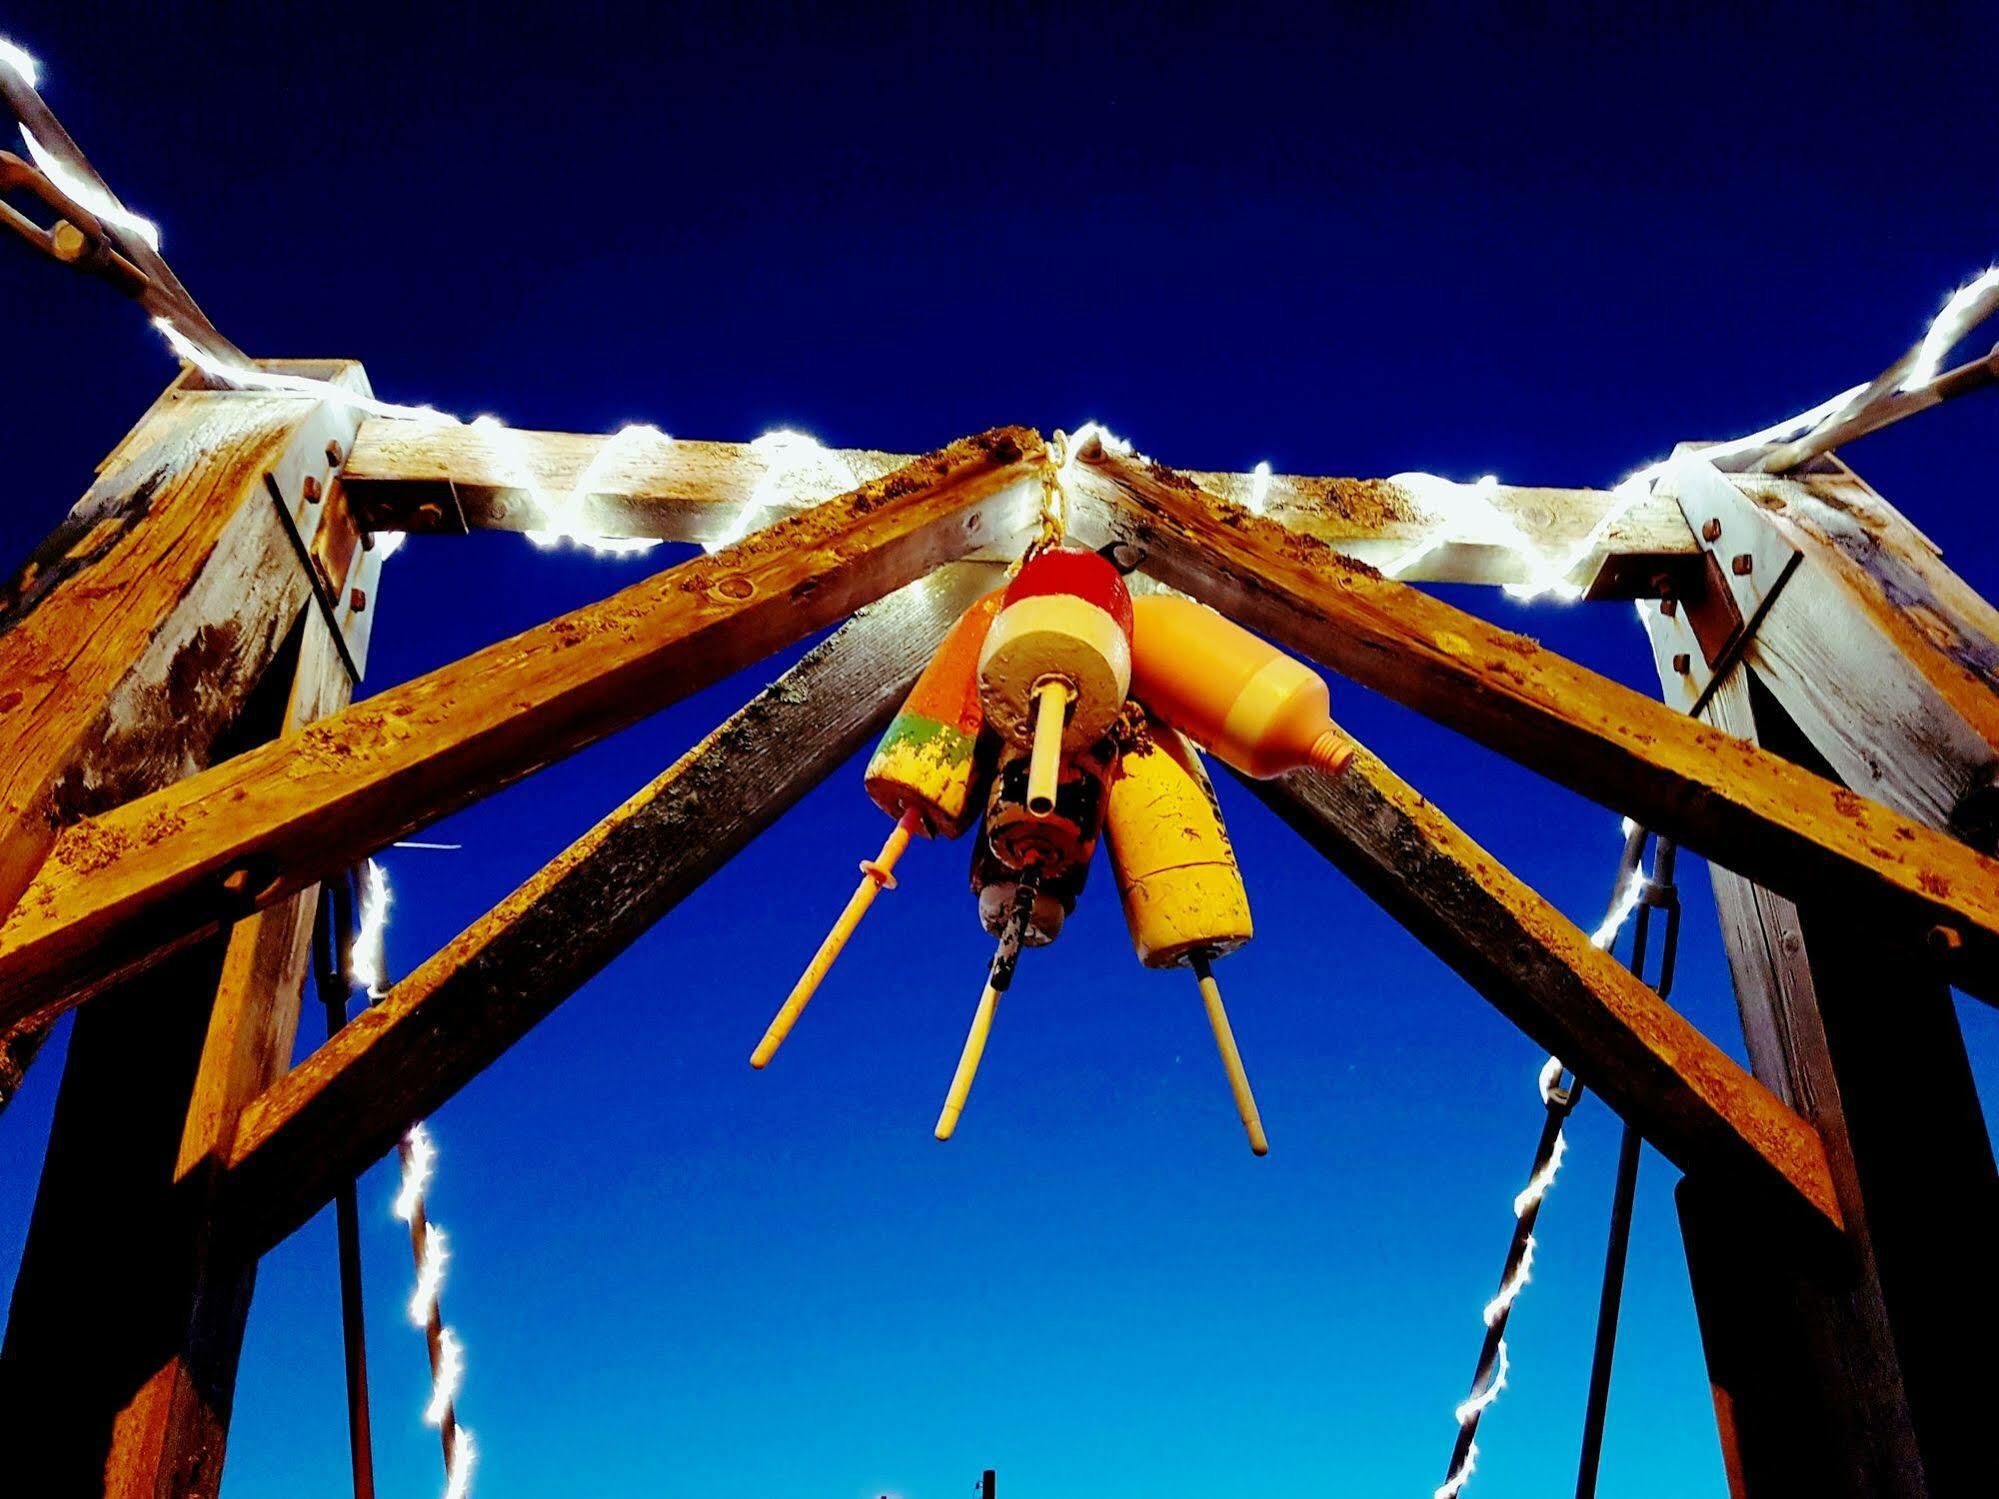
[1967, 305]
[17, 61]
[368, 962]
[366, 965]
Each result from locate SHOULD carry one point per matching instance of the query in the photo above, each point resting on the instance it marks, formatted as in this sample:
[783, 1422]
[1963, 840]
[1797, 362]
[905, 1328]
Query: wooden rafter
[1677, 1087]
[119, 889]
[412, 477]
[1740, 806]
[474, 998]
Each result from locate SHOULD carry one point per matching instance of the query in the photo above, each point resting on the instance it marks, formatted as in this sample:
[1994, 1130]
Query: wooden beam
[1749, 810]
[169, 1441]
[168, 868]
[1674, 1085]
[433, 478]
[100, 705]
[1885, 657]
[122, 1345]
[437, 1029]
[1851, 1359]
[185, 532]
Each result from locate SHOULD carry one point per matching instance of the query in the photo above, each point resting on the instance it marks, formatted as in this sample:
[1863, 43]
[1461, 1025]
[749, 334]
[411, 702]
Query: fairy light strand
[1527, 1201]
[430, 1248]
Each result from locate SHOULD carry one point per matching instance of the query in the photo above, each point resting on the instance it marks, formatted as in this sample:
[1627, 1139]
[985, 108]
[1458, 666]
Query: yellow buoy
[1184, 900]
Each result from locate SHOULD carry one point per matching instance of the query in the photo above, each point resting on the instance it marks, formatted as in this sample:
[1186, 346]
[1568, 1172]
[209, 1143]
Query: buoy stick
[1245, 1101]
[876, 874]
[998, 977]
[1044, 767]
[968, 1063]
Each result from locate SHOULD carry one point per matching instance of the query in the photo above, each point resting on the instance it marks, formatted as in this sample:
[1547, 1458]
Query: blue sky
[1543, 246]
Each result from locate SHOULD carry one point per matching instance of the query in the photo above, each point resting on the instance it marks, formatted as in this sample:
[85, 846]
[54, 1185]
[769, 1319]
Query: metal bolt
[357, 599]
[1741, 565]
[1683, 663]
[69, 243]
[333, 454]
[1669, 607]
[311, 488]
[1945, 940]
[1711, 529]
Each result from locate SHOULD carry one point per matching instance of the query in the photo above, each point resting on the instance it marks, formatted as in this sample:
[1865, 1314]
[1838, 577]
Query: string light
[17, 61]
[798, 470]
[1967, 305]
[366, 965]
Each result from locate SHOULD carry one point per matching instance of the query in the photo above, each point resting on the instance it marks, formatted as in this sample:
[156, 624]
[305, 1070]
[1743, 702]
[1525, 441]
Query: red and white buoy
[1057, 661]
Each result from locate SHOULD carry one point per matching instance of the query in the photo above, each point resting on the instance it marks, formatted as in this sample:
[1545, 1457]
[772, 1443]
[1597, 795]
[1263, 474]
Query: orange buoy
[1233, 693]
[928, 773]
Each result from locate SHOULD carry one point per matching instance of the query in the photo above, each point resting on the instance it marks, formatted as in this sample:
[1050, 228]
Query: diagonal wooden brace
[1679, 1089]
[1740, 806]
[122, 888]
[437, 1029]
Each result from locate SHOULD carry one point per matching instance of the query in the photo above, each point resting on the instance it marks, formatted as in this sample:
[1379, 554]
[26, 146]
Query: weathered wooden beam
[120, 888]
[399, 1060]
[121, 1350]
[169, 1441]
[182, 531]
[1678, 1088]
[1847, 1362]
[1886, 659]
[1749, 810]
[205, 495]
[410, 477]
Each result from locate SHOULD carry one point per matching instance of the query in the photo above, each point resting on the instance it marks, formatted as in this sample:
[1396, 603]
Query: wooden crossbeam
[120, 888]
[1742, 807]
[438, 1028]
[98, 704]
[411, 477]
[1650, 1064]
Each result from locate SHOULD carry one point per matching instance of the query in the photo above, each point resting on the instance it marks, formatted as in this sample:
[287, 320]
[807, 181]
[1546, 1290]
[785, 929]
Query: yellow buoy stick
[1245, 1101]
[877, 874]
[998, 977]
[968, 1062]
[1044, 767]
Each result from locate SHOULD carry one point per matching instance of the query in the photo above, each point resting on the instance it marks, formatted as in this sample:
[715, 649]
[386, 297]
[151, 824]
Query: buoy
[1057, 662]
[1184, 899]
[997, 886]
[1233, 693]
[928, 773]
[1048, 858]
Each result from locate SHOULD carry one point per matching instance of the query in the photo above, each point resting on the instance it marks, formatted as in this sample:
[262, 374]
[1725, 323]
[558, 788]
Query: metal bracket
[1698, 638]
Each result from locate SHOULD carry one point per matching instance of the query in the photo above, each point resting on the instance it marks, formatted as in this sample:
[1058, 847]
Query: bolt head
[333, 454]
[1711, 529]
[1742, 564]
[1683, 663]
[69, 242]
[312, 490]
[357, 599]
[1669, 607]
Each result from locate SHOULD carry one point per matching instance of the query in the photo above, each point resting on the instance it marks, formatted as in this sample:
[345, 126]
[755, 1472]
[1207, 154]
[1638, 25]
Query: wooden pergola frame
[180, 766]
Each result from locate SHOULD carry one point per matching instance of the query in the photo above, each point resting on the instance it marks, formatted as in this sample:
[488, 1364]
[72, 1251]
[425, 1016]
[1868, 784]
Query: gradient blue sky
[1541, 244]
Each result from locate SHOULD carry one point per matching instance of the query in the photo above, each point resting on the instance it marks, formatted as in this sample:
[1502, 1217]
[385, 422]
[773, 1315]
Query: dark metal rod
[1608, 1307]
[1659, 895]
[330, 955]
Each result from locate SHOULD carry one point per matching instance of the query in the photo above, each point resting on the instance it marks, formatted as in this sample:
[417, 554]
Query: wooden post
[1861, 657]
[127, 1319]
